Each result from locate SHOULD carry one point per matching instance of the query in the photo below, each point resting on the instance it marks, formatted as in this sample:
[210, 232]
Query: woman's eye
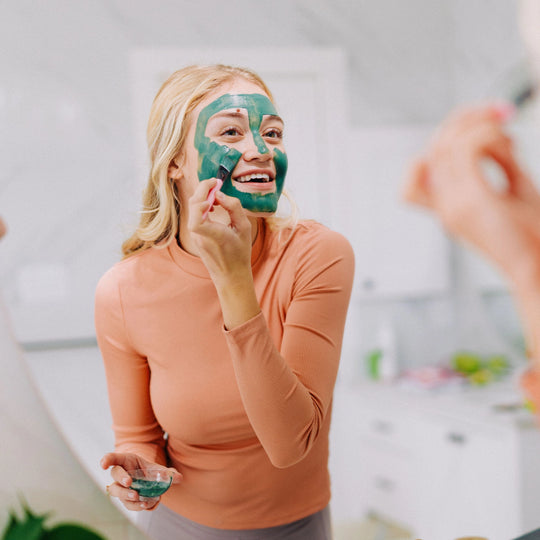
[230, 132]
[273, 133]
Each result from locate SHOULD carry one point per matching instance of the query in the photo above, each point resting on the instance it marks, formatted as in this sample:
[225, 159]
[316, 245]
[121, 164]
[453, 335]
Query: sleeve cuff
[247, 329]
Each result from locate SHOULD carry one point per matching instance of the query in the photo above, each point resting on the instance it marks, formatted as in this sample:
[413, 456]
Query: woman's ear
[175, 169]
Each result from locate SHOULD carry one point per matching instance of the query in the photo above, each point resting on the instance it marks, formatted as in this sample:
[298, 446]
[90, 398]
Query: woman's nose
[256, 148]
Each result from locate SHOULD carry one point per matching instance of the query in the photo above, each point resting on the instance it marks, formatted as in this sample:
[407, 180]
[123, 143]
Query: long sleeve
[135, 426]
[287, 392]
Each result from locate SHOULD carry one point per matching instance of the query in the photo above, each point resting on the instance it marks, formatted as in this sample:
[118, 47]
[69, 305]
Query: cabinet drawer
[390, 483]
[386, 431]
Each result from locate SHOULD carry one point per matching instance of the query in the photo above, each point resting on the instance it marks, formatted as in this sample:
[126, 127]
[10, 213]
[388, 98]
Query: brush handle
[212, 197]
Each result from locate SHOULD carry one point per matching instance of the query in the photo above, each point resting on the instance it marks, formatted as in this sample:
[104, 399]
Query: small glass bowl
[150, 483]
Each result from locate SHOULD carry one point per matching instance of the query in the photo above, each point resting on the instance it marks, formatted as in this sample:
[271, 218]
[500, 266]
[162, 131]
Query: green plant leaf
[31, 528]
[11, 524]
[71, 531]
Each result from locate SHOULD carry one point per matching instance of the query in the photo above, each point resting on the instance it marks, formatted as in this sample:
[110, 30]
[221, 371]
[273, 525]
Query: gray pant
[164, 524]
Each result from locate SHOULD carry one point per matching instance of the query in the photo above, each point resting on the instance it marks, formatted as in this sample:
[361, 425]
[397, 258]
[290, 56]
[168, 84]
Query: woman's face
[236, 132]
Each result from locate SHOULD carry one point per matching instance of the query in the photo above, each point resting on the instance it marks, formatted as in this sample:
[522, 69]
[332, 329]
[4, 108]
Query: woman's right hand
[120, 488]
[225, 249]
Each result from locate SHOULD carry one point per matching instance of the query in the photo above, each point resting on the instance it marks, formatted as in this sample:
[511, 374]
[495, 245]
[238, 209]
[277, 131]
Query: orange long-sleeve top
[247, 411]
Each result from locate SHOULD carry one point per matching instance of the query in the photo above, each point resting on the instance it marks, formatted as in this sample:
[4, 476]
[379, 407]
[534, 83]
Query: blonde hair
[166, 134]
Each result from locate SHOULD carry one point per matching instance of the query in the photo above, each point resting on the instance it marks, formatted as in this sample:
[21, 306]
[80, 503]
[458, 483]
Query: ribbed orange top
[247, 411]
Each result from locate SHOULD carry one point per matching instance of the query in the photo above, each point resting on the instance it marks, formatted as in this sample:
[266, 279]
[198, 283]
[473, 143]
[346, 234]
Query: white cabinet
[388, 466]
[442, 468]
[400, 249]
[469, 483]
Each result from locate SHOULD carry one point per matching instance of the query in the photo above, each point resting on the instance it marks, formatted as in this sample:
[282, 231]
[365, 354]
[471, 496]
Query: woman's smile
[253, 186]
[255, 181]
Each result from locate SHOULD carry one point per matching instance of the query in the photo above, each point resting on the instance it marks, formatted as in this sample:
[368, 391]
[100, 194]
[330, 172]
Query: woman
[222, 325]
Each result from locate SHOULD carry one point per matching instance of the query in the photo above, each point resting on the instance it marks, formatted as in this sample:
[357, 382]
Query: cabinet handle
[457, 438]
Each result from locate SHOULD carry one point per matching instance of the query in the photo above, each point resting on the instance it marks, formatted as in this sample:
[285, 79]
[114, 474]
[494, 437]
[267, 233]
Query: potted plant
[32, 527]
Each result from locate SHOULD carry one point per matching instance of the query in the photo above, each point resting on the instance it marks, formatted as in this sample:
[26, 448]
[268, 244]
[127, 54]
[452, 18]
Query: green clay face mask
[218, 161]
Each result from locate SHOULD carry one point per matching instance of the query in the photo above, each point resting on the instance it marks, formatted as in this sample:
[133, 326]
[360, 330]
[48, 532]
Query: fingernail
[125, 482]
[144, 505]
[505, 111]
[131, 496]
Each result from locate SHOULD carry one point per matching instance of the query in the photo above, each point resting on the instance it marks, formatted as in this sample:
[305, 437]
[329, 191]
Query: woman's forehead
[257, 106]
[234, 87]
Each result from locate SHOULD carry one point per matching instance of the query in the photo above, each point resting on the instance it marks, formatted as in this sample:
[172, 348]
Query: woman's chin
[257, 214]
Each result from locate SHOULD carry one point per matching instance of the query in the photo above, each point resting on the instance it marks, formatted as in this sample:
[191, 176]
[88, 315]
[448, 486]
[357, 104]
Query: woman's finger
[203, 190]
[233, 206]
[464, 118]
[211, 197]
[201, 203]
[130, 498]
[127, 461]
[454, 163]
[122, 493]
[416, 189]
[177, 476]
[120, 476]
[480, 133]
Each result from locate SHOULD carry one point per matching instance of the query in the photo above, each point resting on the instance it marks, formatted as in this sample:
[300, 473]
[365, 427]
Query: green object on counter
[480, 370]
[497, 364]
[466, 362]
[373, 363]
[529, 405]
[481, 377]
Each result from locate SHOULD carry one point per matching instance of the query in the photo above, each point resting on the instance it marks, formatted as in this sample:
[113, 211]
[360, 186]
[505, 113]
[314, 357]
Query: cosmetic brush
[519, 85]
[226, 166]
[525, 94]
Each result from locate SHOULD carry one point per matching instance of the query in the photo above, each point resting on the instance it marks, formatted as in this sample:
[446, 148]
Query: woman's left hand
[504, 224]
[450, 180]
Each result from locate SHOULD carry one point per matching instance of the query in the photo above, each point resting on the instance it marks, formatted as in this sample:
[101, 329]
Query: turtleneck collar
[194, 265]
